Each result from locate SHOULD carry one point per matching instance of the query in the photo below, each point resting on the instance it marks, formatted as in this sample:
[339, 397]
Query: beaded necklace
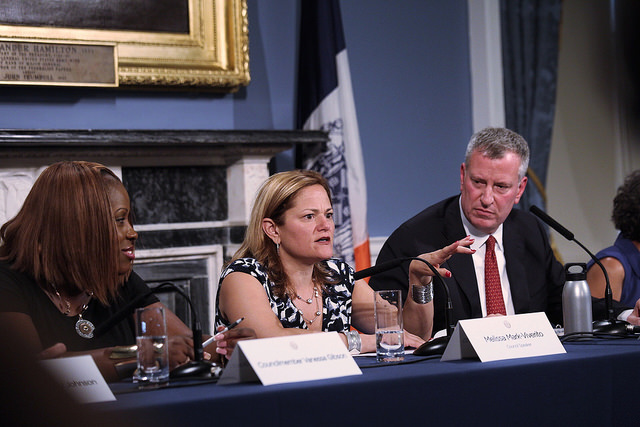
[309, 300]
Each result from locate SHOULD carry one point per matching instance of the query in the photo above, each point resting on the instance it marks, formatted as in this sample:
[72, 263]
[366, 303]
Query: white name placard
[289, 359]
[80, 376]
[503, 337]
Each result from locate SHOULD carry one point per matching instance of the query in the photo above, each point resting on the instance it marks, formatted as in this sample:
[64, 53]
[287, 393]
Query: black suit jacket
[535, 276]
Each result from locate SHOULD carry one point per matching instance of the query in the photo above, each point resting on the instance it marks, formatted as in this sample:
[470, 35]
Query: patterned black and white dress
[336, 307]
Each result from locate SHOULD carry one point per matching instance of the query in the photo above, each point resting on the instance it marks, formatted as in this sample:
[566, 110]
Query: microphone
[554, 224]
[197, 367]
[435, 346]
[379, 268]
[611, 324]
[127, 310]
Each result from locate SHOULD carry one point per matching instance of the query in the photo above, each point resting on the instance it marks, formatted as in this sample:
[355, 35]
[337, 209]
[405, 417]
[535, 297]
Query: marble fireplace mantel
[146, 147]
[245, 154]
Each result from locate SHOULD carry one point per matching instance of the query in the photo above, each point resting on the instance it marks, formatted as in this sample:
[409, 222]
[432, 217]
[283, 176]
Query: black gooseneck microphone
[435, 346]
[127, 310]
[379, 268]
[611, 324]
[196, 368]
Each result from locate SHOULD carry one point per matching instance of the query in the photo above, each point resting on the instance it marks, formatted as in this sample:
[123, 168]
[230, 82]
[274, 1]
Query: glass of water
[153, 350]
[389, 332]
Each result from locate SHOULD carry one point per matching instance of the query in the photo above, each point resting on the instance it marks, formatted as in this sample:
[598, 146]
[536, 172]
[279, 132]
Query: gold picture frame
[213, 55]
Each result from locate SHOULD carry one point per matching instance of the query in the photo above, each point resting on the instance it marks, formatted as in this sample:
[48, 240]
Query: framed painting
[157, 43]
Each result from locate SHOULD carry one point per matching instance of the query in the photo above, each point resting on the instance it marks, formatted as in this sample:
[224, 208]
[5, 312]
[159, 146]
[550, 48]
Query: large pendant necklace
[84, 327]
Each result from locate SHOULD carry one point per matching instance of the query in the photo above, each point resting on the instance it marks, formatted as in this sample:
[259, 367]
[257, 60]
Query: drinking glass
[389, 332]
[153, 349]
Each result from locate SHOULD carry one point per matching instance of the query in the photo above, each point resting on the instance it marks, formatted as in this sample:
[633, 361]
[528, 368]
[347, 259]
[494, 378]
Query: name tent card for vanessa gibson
[503, 337]
[289, 359]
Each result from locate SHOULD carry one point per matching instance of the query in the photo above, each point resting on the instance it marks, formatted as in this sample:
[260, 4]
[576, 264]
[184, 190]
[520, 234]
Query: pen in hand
[231, 326]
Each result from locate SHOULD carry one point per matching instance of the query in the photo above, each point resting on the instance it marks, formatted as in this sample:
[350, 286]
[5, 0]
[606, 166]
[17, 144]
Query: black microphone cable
[623, 330]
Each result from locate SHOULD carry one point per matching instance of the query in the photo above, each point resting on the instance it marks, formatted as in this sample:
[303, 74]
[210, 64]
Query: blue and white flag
[325, 102]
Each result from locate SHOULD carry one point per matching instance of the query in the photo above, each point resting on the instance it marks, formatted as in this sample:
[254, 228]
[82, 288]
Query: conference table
[593, 383]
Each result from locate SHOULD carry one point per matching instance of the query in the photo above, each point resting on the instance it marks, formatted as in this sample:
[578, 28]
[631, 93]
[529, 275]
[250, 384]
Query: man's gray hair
[496, 142]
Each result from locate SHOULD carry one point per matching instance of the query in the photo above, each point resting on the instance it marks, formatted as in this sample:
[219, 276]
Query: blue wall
[410, 71]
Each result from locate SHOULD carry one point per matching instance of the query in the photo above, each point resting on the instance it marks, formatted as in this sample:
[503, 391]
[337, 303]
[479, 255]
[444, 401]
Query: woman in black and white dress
[284, 281]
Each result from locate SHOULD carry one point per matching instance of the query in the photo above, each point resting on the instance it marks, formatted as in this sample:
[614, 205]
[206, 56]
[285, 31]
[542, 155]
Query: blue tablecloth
[592, 384]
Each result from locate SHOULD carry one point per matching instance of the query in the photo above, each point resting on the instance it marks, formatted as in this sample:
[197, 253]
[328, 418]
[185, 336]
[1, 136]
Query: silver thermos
[576, 300]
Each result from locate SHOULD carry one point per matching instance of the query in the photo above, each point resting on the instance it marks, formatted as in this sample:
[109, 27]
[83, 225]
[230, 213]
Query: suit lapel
[462, 266]
[514, 251]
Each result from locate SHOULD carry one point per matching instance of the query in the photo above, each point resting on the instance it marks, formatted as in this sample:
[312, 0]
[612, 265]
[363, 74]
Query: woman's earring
[278, 248]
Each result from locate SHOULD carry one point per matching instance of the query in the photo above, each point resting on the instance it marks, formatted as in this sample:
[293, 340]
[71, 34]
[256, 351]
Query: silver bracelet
[354, 343]
[422, 294]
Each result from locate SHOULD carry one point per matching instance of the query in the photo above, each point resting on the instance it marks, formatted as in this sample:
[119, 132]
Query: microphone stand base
[435, 347]
[196, 370]
[613, 327]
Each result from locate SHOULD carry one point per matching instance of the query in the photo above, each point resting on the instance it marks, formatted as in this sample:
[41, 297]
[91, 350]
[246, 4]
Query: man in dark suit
[492, 180]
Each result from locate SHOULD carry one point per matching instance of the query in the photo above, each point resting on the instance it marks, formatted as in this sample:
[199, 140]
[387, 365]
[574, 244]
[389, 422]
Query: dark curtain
[530, 44]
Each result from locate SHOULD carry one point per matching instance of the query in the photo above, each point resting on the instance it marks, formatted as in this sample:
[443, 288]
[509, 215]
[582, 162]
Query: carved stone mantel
[246, 153]
[19, 147]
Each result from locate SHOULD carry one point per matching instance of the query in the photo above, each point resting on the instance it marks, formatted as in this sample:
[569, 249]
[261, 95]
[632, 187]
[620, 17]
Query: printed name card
[80, 377]
[289, 359]
[503, 337]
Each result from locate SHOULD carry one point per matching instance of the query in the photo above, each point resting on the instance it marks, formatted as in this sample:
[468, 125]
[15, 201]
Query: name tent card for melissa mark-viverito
[503, 337]
[80, 377]
[289, 359]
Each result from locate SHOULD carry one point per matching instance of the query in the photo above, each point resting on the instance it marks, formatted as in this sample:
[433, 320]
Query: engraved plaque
[58, 64]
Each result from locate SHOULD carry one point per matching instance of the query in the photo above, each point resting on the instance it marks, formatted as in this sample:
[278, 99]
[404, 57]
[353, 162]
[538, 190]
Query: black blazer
[535, 276]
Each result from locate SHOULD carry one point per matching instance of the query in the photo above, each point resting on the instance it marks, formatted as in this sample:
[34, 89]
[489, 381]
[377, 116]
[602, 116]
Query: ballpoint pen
[231, 326]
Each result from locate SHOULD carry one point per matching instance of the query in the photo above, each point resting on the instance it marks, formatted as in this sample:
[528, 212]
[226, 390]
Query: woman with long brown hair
[66, 267]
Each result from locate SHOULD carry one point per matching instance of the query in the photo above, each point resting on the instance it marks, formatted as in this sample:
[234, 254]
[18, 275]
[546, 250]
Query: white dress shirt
[478, 263]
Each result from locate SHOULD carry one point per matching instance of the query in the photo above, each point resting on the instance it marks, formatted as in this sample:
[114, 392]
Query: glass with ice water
[389, 332]
[153, 349]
